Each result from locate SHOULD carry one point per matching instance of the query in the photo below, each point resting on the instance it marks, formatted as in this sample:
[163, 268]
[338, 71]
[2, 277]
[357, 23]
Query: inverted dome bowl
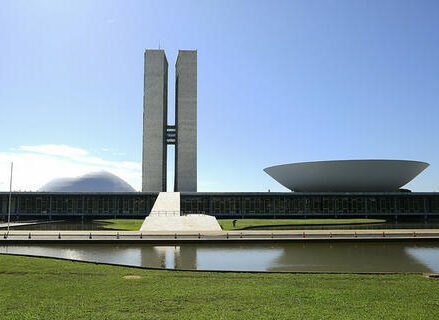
[346, 175]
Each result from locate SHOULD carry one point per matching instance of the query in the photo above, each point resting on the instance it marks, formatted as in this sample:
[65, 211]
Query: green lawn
[121, 224]
[279, 224]
[226, 224]
[35, 288]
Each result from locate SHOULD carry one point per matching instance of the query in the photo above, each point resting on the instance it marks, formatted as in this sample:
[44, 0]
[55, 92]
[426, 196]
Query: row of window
[311, 204]
[79, 204]
[125, 204]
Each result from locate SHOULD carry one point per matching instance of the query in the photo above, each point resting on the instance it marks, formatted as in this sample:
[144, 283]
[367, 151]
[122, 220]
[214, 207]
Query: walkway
[221, 236]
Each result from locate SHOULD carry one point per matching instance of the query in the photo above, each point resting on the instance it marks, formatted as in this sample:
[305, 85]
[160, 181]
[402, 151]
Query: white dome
[346, 175]
[101, 181]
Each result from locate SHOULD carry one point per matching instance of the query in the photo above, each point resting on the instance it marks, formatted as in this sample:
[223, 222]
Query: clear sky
[278, 82]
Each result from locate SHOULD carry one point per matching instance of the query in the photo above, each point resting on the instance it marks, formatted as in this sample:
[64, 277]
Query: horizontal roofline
[226, 193]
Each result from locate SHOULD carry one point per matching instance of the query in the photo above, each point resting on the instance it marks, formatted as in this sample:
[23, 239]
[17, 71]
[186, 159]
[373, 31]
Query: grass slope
[35, 288]
[226, 224]
[121, 224]
[241, 224]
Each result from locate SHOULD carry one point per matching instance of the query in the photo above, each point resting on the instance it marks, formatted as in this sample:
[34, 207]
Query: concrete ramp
[193, 222]
[167, 203]
[166, 216]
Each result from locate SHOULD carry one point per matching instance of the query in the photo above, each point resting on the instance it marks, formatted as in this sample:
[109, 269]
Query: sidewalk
[217, 236]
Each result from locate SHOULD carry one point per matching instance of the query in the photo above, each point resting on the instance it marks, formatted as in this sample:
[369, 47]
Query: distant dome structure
[101, 181]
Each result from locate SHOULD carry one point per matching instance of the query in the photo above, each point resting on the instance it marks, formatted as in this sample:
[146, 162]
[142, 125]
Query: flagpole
[10, 196]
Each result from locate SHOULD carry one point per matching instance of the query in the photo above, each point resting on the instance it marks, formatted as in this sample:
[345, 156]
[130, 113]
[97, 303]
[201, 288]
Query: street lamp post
[10, 196]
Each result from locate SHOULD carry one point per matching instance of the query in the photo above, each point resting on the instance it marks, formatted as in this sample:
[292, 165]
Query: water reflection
[339, 257]
[238, 257]
[428, 255]
[170, 257]
[353, 257]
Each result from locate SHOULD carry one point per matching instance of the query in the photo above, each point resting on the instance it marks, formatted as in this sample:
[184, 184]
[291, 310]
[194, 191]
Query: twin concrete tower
[157, 134]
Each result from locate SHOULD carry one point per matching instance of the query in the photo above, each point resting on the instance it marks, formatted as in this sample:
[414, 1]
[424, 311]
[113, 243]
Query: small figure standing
[234, 223]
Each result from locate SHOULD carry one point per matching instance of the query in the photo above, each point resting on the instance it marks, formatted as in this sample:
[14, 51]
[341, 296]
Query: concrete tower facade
[186, 121]
[155, 119]
[157, 134]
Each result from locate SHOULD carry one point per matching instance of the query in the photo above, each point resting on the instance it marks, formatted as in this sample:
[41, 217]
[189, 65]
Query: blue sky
[278, 82]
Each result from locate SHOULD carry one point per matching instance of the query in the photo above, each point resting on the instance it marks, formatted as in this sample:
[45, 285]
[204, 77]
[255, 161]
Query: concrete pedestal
[166, 216]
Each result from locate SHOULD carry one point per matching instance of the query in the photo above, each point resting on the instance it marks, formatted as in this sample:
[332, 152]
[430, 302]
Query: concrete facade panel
[155, 117]
[186, 121]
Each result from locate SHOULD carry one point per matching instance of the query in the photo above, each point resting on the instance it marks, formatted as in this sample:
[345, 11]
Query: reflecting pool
[330, 257]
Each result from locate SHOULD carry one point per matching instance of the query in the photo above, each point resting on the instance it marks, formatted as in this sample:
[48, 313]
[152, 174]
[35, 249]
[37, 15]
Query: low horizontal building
[59, 205]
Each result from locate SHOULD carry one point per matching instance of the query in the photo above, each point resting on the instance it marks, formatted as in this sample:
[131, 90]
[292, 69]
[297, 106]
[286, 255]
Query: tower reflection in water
[169, 257]
[336, 257]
